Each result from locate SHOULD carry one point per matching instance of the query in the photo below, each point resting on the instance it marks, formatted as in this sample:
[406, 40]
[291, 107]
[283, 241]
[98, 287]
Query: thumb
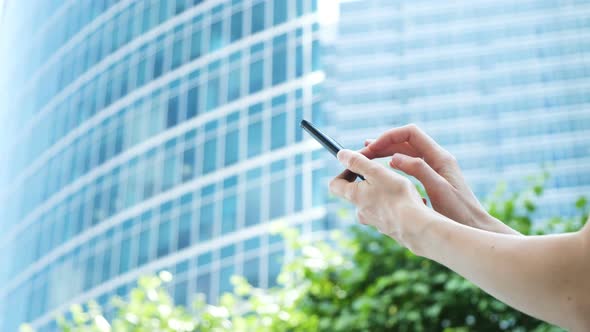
[358, 163]
[417, 168]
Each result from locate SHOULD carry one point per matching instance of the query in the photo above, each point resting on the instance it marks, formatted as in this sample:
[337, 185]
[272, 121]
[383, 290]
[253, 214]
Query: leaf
[357, 281]
[581, 203]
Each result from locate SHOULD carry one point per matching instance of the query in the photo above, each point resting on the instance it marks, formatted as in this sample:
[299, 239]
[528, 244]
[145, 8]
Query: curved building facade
[143, 135]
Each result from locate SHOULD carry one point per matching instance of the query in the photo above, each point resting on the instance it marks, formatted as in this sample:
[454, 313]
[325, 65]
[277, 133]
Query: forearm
[544, 276]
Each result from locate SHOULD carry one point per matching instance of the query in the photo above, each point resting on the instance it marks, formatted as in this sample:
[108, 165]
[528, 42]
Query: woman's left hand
[385, 200]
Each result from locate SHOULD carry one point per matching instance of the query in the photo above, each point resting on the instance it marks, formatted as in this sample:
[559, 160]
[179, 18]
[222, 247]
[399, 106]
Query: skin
[547, 277]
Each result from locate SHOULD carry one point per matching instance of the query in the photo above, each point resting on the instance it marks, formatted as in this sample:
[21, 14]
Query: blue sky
[1, 10]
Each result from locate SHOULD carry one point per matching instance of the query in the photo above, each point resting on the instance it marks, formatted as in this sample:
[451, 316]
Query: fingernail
[343, 155]
[395, 159]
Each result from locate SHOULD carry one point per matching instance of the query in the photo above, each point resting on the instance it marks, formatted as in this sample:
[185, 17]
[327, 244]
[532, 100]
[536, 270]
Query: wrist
[421, 221]
[487, 222]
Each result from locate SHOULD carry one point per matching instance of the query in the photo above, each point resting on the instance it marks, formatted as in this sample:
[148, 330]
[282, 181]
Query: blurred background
[146, 135]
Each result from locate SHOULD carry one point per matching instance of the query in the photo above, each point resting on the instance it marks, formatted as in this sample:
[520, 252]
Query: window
[145, 24]
[318, 188]
[184, 230]
[298, 117]
[236, 26]
[158, 63]
[252, 243]
[216, 37]
[125, 256]
[299, 61]
[148, 179]
[192, 101]
[89, 272]
[204, 284]
[155, 117]
[209, 155]
[179, 7]
[124, 87]
[256, 75]
[180, 293]
[188, 164]
[102, 148]
[227, 251]
[97, 212]
[253, 200]
[279, 61]
[196, 44]
[204, 259]
[108, 98]
[130, 24]
[275, 261]
[277, 198]
[251, 273]
[315, 55]
[229, 214]
[131, 186]
[257, 17]
[232, 145]
[213, 93]
[177, 52]
[278, 131]
[141, 67]
[234, 83]
[106, 264]
[164, 238]
[224, 279]
[114, 198]
[172, 114]
[280, 11]
[254, 139]
[299, 8]
[144, 249]
[170, 172]
[206, 222]
[163, 11]
[298, 192]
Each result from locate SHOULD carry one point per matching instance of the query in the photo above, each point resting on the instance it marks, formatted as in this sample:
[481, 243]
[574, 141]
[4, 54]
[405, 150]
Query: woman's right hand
[415, 153]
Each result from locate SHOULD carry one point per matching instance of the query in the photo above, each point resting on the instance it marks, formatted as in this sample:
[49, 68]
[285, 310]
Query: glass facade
[149, 135]
[503, 85]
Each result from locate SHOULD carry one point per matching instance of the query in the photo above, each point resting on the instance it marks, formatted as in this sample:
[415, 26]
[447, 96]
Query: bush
[359, 280]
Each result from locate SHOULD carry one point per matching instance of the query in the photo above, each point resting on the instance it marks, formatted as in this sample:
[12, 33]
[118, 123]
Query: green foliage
[355, 281]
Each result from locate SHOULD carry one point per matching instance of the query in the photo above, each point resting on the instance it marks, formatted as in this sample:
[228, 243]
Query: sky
[1, 12]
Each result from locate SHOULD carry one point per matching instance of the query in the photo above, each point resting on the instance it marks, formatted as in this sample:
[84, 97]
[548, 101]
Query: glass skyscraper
[503, 85]
[147, 135]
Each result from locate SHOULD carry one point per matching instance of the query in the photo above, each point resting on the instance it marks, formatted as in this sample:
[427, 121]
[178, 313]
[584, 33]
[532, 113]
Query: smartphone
[326, 141]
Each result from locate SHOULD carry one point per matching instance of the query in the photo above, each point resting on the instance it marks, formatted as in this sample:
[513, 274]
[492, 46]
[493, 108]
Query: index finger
[419, 141]
[341, 186]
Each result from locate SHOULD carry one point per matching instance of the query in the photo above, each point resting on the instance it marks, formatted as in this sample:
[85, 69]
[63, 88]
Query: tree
[359, 280]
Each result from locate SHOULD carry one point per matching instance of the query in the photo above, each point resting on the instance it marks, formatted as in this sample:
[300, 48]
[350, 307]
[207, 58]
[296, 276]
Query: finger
[369, 141]
[417, 168]
[348, 175]
[341, 187]
[359, 163]
[423, 144]
[388, 150]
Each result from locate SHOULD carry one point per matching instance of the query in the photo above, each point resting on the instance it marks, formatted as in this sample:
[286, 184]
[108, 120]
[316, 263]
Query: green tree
[359, 280]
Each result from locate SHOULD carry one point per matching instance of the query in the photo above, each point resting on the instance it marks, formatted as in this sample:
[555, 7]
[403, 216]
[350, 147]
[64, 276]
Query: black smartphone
[326, 141]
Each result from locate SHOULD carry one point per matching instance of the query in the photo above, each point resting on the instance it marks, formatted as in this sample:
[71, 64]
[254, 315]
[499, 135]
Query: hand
[385, 199]
[418, 155]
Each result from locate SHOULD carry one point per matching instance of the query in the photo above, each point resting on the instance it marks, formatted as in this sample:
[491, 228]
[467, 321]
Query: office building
[503, 85]
[148, 135]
